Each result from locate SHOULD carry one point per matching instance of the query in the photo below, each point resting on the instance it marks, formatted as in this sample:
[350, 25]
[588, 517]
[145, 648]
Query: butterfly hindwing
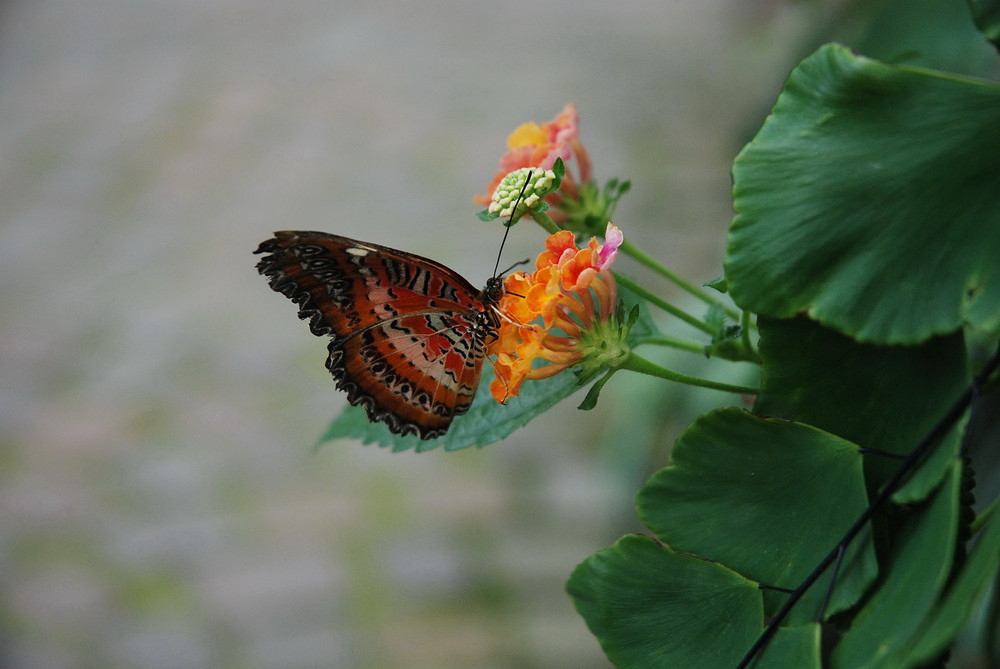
[409, 334]
[415, 370]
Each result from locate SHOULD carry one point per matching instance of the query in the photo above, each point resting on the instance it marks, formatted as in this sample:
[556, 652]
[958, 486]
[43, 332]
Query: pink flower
[534, 145]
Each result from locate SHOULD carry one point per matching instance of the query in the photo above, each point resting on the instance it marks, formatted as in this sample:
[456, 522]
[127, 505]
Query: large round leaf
[767, 498]
[651, 607]
[885, 398]
[871, 199]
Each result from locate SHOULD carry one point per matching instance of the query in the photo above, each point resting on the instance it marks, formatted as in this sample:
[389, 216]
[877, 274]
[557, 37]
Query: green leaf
[718, 284]
[986, 14]
[878, 397]
[590, 401]
[799, 647]
[651, 607]
[928, 33]
[918, 569]
[767, 498]
[715, 318]
[559, 169]
[870, 198]
[541, 207]
[486, 421]
[972, 584]
[641, 326]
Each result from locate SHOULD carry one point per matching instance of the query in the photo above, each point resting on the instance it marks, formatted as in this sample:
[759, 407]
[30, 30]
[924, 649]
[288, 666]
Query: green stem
[644, 258]
[638, 364]
[745, 336]
[663, 304]
[631, 249]
[674, 342]
[722, 353]
[552, 227]
[547, 223]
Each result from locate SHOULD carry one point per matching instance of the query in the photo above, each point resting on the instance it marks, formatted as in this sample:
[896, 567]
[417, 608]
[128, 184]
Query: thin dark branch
[907, 467]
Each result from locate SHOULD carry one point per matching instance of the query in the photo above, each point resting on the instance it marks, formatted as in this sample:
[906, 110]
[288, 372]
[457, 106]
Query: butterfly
[409, 335]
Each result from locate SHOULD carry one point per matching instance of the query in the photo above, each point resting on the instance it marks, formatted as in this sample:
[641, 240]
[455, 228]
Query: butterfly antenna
[510, 220]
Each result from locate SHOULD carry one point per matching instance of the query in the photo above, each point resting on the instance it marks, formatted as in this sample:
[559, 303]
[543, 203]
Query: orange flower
[572, 292]
[534, 145]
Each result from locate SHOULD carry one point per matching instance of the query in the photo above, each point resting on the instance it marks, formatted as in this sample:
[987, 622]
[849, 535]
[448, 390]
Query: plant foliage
[867, 242]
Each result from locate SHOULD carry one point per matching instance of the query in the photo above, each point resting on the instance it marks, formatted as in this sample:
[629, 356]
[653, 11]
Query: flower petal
[526, 134]
[613, 238]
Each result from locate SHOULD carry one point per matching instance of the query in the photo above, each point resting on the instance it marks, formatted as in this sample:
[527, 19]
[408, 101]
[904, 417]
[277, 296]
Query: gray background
[161, 505]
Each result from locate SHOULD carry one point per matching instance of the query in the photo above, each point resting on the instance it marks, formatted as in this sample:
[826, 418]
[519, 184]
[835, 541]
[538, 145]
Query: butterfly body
[409, 335]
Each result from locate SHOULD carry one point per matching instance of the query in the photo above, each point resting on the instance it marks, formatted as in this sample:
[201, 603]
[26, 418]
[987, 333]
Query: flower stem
[745, 325]
[663, 304]
[631, 249]
[547, 223]
[638, 364]
[674, 342]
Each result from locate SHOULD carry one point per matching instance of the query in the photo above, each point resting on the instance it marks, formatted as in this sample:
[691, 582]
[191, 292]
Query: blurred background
[161, 502]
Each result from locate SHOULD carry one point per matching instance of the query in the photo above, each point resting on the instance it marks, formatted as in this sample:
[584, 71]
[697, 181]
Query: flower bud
[523, 188]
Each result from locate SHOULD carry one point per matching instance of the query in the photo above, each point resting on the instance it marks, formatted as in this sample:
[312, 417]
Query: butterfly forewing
[409, 334]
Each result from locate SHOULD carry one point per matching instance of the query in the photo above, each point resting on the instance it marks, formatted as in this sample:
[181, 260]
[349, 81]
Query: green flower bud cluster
[523, 188]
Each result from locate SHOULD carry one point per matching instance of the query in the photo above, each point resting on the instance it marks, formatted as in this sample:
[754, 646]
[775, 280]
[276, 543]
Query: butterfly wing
[409, 334]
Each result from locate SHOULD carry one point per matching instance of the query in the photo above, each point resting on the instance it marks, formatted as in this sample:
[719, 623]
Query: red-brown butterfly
[409, 334]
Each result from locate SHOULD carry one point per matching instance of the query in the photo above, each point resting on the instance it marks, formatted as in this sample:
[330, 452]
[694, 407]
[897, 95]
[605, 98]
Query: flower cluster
[572, 293]
[521, 191]
[539, 146]
[566, 313]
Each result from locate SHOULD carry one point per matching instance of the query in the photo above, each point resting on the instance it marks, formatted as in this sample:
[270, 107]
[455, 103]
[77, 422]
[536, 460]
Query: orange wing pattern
[409, 334]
